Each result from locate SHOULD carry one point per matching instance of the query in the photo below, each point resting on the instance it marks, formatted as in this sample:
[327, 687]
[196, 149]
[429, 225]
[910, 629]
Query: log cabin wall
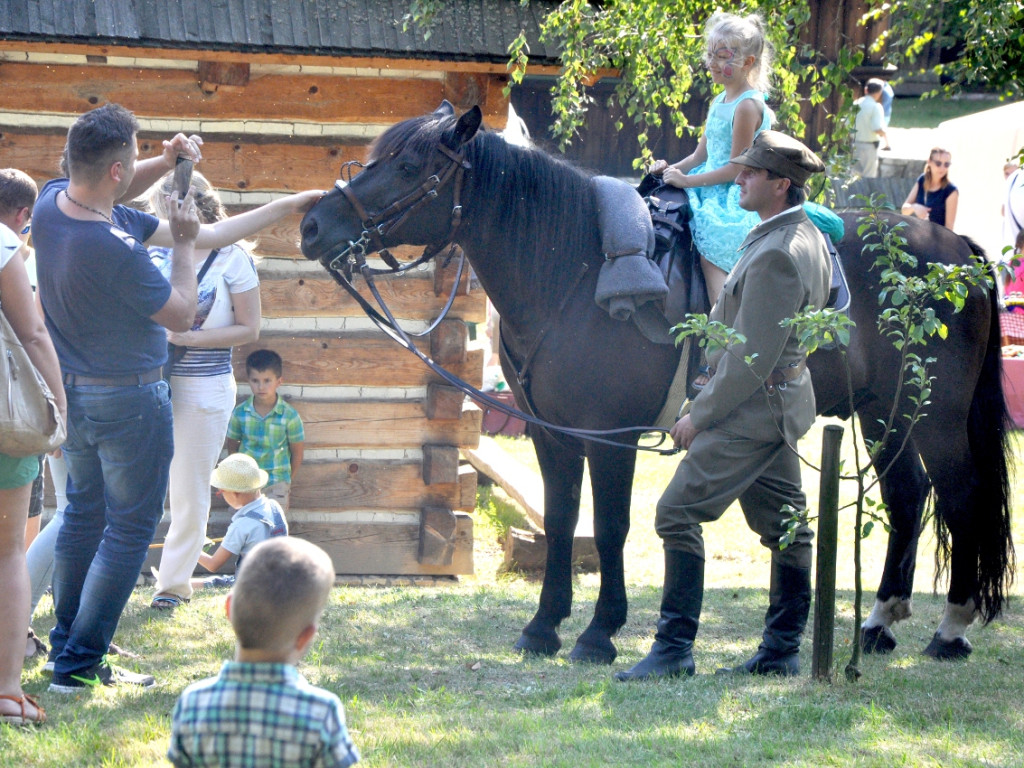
[381, 488]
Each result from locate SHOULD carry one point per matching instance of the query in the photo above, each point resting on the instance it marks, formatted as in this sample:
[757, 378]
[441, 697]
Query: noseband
[378, 225]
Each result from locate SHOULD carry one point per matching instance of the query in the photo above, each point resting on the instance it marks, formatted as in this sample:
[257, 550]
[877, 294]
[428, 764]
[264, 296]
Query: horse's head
[408, 192]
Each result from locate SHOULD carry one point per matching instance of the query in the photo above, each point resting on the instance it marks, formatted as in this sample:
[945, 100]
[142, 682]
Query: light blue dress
[719, 224]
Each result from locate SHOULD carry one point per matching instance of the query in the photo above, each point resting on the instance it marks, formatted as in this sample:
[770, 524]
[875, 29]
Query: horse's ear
[445, 109]
[468, 125]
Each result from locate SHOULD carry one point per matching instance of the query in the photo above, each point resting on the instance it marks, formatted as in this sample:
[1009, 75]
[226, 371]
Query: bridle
[375, 227]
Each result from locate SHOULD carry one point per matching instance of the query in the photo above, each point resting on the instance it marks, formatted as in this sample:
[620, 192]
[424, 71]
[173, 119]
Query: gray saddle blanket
[629, 279]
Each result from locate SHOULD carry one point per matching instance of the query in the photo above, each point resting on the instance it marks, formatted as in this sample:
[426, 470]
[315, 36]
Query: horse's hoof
[589, 654]
[948, 650]
[532, 645]
[878, 639]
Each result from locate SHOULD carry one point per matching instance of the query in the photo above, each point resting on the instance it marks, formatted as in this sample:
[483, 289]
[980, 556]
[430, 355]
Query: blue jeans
[118, 452]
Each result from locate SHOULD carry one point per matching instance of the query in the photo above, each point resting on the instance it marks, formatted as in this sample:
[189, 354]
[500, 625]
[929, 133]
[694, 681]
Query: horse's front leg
[611, 479]
[563, 474]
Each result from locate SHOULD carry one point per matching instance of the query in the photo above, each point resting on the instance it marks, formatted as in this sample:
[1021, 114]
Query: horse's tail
[988, 432]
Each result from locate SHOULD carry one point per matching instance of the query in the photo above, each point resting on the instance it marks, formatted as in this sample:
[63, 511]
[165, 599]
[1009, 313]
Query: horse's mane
[521, 203]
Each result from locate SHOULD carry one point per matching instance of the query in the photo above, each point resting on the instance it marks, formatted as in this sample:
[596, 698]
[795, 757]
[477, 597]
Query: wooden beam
[358, 484]
[523, 484]
[353, 359]
[223, 76]
[438, 534]
[174, 93]
[388, 548]
[440, 464]
[379, 424]
[409, 296]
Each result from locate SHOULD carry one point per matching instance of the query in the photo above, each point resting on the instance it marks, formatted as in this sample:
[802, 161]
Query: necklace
[89, 208]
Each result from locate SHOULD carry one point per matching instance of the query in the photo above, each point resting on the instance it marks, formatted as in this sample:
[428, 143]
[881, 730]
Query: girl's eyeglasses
[941, 164]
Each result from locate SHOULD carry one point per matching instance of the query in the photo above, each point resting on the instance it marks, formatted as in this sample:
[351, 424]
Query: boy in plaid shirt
[259, 711]
[265, 427]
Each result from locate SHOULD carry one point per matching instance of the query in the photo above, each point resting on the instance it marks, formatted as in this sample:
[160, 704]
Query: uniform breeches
[720, 468]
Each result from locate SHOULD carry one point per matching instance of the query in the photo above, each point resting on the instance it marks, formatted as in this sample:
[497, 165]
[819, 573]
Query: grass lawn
[428, 676]
[913, 112]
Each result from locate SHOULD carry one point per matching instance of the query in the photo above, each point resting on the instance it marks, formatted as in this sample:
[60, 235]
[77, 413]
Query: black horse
[528, 224]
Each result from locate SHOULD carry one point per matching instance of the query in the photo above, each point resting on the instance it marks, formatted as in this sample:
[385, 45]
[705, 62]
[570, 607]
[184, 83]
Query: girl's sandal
[167, 602]
[23, 719]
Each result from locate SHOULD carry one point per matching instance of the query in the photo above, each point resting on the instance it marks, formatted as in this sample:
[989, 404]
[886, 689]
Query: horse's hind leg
[562, 471]
[611, 479]
[905, 489]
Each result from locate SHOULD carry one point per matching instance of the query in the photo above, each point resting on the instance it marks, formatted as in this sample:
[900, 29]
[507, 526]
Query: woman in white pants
[202, 388]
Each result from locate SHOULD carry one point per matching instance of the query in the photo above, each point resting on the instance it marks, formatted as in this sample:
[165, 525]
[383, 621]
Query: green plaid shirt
[266, 438]
[254, 715]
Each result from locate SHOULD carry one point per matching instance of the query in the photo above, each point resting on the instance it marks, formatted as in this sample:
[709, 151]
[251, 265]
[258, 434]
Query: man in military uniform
[741, 430]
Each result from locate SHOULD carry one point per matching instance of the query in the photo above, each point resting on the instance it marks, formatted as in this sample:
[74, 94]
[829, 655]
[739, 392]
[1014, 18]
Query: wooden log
[388, 548]
[448, 342]
[527, 550]
[440, 464]
[358, 484]
[445, 402]
[359, 548]
[176, 93]
[468, 480]
[383, 424]
[240, 163]
[287, 294]
[222, 76]
[437, 536]
[353, 359]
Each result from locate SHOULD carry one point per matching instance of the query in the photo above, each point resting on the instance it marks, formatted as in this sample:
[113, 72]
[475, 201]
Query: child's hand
[658, 167]
[675, 177]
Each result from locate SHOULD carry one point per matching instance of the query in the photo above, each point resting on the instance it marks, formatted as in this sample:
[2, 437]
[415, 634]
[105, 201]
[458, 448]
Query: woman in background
[934, 196]
[202, 387]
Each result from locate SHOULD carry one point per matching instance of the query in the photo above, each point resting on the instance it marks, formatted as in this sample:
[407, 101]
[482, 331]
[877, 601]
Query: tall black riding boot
[681, 598]
[789, 602]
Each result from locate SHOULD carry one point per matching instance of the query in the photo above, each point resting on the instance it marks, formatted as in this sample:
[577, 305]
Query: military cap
[782, 155]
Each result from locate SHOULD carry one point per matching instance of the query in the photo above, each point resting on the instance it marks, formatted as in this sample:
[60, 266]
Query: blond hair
[281, 589]
[746, 36]
[208, 203]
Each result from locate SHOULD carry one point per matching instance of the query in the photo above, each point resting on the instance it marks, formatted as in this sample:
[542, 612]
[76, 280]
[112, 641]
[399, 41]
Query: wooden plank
[411, 296]
[468, 480]
[382, 424]
[232, 163]
[437, 536]
[176, 93]
[353, 359]
[387, 548]
[358, 548]
[524, 485]
[369, 484]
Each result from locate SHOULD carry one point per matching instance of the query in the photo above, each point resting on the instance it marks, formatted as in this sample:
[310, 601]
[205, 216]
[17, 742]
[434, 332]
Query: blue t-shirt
[98, 288]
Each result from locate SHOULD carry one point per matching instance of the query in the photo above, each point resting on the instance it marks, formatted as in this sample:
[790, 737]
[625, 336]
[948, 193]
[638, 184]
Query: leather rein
[377, 226]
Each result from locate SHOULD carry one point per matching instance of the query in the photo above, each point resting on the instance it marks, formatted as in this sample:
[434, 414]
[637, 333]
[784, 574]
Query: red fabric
[1012, 327]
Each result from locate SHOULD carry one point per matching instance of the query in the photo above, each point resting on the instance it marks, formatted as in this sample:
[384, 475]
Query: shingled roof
[467, 30]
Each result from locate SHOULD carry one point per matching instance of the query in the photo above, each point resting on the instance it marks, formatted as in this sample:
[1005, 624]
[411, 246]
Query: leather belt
[781, 375]
[785, 374]
[128, 380]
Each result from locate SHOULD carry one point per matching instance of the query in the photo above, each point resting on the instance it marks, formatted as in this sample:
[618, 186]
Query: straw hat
[239, 473]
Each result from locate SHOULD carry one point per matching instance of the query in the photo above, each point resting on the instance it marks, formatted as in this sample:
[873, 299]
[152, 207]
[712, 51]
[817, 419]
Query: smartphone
[182, 176]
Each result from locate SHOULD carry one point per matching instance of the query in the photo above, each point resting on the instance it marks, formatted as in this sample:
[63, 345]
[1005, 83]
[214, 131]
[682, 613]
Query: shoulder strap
[206, 265]
[1018, 180]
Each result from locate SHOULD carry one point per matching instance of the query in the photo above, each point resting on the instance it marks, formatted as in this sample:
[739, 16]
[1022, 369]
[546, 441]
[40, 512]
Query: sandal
[38, 646]
[702, 378]
[23, 719]
[167, 602]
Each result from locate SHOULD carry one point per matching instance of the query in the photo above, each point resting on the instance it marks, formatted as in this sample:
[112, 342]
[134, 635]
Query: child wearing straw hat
[257, 518]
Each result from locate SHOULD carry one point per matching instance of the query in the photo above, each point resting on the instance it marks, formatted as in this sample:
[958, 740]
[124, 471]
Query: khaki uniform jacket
[784, 268]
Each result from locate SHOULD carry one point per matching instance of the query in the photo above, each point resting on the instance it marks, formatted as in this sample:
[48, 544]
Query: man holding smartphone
[107, 308]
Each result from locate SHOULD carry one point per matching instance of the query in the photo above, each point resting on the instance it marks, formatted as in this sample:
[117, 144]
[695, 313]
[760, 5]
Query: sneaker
[48, 667]
[101, 673]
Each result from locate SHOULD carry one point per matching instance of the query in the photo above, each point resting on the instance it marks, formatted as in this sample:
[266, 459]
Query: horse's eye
[409, 170]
